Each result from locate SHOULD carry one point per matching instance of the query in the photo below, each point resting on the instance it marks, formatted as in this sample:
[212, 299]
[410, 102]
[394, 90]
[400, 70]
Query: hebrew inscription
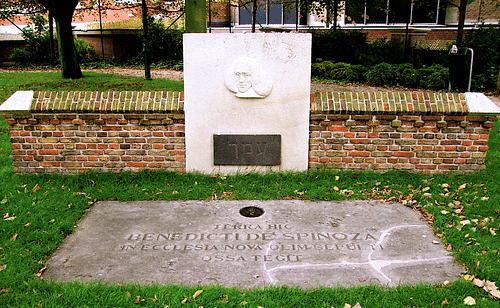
[247, 150]
[247, 79]
[296, 243]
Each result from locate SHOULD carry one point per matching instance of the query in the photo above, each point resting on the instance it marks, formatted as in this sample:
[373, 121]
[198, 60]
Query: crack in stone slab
[377, 265]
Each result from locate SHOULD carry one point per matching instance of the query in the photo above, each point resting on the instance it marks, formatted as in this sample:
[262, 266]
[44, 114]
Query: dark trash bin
[460, 73]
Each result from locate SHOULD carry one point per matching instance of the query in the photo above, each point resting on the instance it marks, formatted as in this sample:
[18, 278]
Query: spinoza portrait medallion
[246, 79]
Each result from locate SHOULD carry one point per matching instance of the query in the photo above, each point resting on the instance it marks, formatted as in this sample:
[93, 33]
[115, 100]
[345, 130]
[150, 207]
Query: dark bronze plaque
[247, 150]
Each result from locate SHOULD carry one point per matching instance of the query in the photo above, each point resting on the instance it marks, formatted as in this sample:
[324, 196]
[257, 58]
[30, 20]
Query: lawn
[39, 211]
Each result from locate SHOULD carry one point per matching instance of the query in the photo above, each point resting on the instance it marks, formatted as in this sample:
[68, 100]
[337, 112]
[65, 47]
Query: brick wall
[429, 132]
[71, 132]
[81, 131]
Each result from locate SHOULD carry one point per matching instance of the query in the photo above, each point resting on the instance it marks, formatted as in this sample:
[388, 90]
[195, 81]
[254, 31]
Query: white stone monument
[247, 102]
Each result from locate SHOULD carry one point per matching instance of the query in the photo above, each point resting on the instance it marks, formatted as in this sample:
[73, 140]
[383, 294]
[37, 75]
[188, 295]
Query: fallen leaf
[184, 300]
[153, 299]
[128, 294]
[495, 294]
[444, 212]
[7, 217]
[445, 302]
[362, 279]
[4, 200]
[28, 224]
[468, 278]
[469, 301]
[243, 303]
[490, 286]
[478, 283]
[14, 237]
[492, 231]
[357, 305]
[426, 188]
[197, 293]
[52, 220]
[41, 271]
[36, 188]
[337, 178]
[465, 222]
[2, 267]
[138, 300]
[462, 186]
[4, 291]
[347, 306]
[435, 242]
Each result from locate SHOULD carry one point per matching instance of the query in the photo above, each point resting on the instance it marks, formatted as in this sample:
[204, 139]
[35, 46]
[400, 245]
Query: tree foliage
[63, 12]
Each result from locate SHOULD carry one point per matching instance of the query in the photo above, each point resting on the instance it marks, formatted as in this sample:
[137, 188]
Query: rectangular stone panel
[247, 150]
[247, 84]
[249, 244]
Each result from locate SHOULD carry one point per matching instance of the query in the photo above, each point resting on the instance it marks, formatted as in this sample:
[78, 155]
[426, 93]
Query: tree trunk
[62, 11]
[145, 43]
[254, 15]
[196, 16]
[335, 14]
[67, 50]
[497, 92]
[51, 37]
[461, 21]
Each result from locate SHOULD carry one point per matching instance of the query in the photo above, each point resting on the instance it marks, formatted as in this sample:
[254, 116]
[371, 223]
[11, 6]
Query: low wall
[70, 132]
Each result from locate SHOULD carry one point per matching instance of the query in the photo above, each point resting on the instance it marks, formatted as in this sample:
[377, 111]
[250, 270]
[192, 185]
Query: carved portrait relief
[246, 79]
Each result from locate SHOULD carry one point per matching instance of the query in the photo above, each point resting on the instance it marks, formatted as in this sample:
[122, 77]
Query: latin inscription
[247, 150]
[252, 243]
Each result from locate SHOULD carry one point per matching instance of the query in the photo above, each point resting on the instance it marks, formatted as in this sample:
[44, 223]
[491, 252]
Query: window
[394, 11]
[269, 12]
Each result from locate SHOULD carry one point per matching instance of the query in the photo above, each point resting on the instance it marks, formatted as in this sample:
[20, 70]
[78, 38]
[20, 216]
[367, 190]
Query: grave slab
[292, 242]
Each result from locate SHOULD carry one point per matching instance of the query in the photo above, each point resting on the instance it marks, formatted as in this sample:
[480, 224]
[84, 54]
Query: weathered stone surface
[274, 97]
[294, 243]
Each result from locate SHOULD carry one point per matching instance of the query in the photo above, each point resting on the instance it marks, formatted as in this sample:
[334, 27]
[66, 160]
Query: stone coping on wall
[430, 103]
[95, 102]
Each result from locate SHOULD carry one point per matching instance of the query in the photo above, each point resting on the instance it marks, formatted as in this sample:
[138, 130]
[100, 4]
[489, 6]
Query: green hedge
[383, 74]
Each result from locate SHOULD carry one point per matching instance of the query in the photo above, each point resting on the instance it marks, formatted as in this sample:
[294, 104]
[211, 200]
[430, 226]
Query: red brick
[403, 154]
[50, 164]
[48, 152]
[338, 128]
[137, 164]
[359, 153]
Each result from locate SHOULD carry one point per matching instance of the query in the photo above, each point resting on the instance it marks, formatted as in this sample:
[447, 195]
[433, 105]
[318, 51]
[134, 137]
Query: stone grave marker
[247, 102]
[249, 244]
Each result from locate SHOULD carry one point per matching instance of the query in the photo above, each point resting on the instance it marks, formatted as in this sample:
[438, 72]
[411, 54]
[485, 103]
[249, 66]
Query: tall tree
[63, 11]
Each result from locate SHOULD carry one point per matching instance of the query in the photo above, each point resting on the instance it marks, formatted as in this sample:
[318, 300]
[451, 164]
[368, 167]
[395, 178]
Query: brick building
[378, 18]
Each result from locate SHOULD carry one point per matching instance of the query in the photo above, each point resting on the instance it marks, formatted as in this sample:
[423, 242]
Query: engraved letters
[252, 243]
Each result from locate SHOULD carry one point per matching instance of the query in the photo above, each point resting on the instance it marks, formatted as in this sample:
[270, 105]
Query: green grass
[53, 81]
[43, 209]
